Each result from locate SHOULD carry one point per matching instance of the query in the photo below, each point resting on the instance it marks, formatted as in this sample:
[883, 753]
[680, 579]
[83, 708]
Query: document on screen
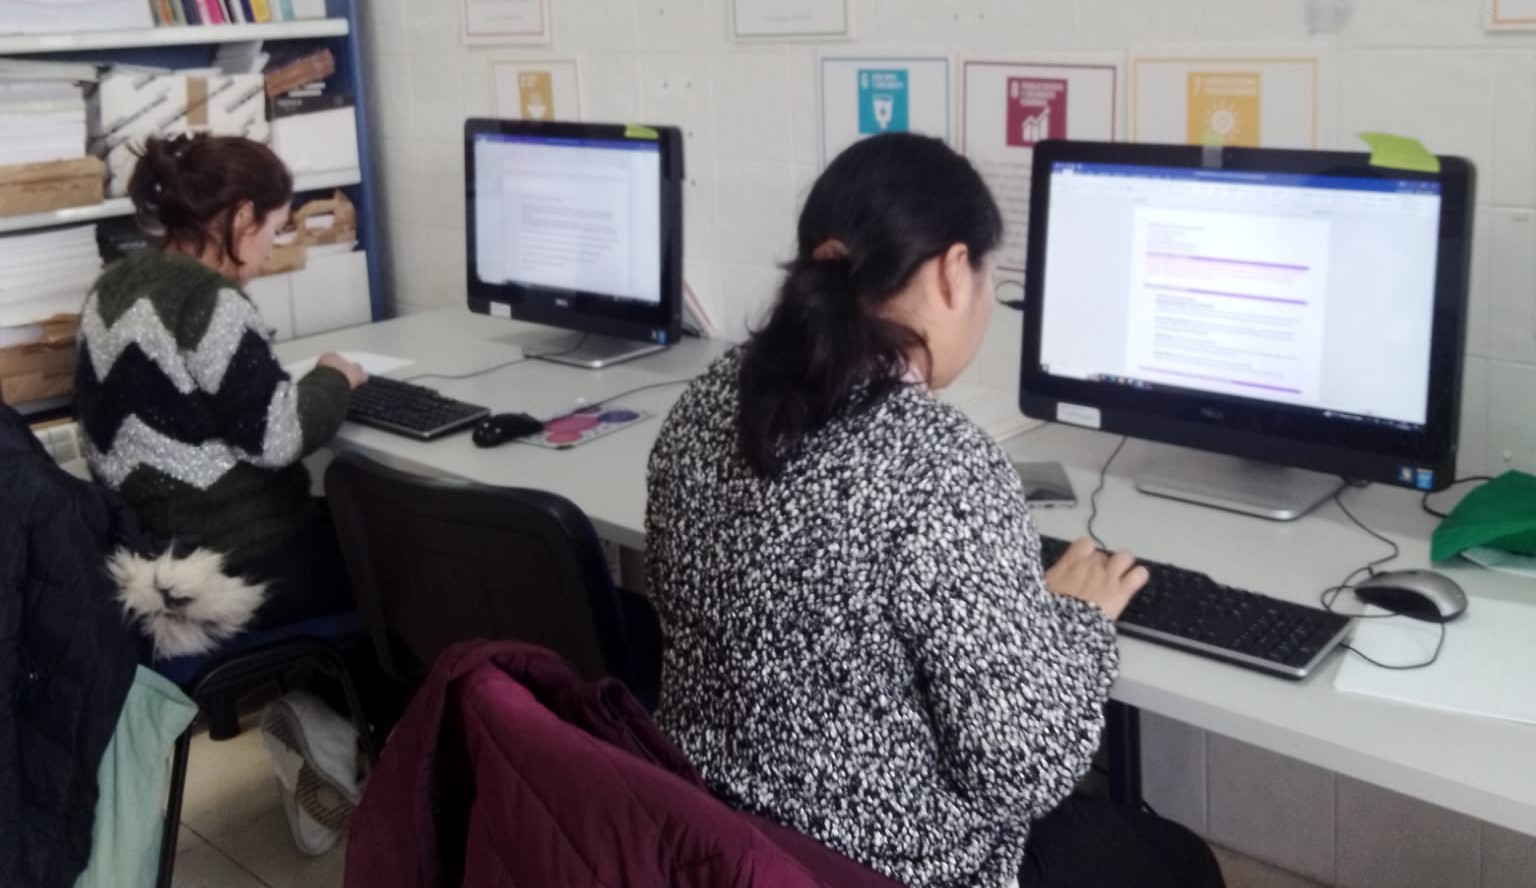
[1229, 302]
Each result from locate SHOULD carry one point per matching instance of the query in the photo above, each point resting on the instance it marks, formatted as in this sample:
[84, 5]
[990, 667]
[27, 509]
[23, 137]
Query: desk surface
[1482, 768]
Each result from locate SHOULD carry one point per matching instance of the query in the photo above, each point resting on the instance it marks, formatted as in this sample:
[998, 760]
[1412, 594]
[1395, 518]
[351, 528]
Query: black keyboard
[411, 410]
[1190, 611]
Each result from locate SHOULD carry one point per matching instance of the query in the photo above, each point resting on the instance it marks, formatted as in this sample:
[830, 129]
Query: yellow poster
[536, 95]
[1224, 108]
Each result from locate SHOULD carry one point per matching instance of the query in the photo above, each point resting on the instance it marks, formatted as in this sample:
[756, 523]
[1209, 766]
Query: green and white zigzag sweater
[188, 414]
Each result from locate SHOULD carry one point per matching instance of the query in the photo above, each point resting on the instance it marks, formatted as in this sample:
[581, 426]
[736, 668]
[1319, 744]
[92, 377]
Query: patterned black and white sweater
[863, 648]
[187, 412]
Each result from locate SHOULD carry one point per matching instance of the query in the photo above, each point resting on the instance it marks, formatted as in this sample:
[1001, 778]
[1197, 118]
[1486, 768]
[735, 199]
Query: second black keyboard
[1190, 611]
[411, 410]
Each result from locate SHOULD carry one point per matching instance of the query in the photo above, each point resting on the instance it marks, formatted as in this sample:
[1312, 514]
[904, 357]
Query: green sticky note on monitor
[635, 131]
[1400, 153]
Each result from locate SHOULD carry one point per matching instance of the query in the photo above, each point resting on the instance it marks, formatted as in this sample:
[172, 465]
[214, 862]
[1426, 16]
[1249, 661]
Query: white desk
[1485, 769]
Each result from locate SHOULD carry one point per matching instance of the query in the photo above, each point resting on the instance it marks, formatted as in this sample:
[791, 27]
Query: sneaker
[314, 753]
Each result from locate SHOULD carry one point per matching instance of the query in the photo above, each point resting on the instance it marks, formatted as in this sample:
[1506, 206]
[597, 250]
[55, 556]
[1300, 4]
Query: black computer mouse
[494, 431]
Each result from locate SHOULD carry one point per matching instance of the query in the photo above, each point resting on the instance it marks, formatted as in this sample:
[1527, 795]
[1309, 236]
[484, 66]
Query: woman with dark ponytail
[861, 641]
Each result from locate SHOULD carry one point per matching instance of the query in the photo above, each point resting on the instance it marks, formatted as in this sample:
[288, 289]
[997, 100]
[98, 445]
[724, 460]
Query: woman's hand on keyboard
[1106, 581]
[354, 372]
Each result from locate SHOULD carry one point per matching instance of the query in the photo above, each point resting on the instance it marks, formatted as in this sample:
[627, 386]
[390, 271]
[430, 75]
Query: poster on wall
[862, 97]
[1008, 107]
[506, 22]
[1510, 15]
[1239, 102]
[790, 20]
[545, 90]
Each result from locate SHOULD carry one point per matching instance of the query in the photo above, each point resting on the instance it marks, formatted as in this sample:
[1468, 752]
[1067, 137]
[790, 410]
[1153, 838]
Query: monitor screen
[573, 214]
[1300, 308]
[1297, 290]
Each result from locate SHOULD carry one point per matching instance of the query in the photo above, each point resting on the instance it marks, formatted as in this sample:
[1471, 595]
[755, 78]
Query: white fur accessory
[185, 604]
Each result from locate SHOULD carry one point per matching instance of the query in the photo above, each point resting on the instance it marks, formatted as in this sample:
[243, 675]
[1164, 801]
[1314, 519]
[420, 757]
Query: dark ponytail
[187, 189]
[883, 208]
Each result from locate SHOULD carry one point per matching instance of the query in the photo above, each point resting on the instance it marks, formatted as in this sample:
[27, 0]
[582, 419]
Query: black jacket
[67, 658]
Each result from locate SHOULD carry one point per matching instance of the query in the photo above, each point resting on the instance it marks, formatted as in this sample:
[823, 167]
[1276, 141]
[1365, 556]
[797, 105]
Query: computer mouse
[494, 431]
[1420, 594]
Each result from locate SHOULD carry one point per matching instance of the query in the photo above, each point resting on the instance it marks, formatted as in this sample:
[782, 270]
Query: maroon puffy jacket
[510, 769]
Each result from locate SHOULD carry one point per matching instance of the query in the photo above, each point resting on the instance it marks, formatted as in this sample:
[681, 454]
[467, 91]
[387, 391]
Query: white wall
[1422, 67]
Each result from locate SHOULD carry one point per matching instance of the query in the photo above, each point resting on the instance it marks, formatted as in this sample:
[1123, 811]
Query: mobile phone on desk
[1046, 485]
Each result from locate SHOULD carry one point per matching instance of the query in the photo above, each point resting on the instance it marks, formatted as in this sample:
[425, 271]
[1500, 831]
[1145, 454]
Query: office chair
[437, 562]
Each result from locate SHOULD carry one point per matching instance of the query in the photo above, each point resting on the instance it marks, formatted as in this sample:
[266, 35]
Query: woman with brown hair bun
[186, 411]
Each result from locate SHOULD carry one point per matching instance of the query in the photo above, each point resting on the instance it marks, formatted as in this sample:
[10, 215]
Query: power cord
[503, 365]
[1015, 304]
[635, 391]
[1331, 595]
[1093, 498]
[1424, 501]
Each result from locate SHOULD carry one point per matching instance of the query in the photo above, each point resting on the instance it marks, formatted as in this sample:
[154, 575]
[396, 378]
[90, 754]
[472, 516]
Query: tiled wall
[1423, 67]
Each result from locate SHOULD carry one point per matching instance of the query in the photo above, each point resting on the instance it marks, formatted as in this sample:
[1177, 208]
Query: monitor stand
[594, 352]
[1237, 485]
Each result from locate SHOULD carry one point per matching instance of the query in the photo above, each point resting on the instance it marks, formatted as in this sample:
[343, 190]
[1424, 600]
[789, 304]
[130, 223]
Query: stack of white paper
[41, 121]
[42, 275]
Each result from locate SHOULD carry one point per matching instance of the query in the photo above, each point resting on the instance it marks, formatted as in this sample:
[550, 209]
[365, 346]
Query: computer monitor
[1301, 313]
[578, 226]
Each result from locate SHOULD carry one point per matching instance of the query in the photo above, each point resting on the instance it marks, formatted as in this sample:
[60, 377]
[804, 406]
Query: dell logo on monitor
[562, 303]
[1213, 413]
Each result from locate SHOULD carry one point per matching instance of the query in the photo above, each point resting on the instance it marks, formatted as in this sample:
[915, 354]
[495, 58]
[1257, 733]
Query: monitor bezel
[587, 312]
[1242, 427]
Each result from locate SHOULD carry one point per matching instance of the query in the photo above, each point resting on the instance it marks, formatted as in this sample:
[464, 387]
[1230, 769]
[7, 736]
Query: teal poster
[884, 101]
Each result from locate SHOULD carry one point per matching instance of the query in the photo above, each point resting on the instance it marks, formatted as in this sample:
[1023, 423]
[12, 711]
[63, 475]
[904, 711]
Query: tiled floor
[234, 834]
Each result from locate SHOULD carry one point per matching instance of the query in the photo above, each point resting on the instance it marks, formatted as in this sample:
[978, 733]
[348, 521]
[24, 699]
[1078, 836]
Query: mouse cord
[1093, 498]
[1331, 595]
[503, 365]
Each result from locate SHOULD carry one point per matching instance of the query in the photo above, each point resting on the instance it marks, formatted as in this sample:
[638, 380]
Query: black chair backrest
[436, 562]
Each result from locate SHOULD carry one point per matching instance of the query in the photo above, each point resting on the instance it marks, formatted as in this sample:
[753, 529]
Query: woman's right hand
[1106, 581]
[354, 373]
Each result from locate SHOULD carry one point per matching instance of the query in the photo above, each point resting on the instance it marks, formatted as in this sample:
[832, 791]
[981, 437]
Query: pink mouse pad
[585, 425]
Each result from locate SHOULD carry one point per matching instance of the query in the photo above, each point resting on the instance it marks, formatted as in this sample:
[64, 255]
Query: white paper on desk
[1505, 562]
[995, 410]
[1487, 667]
[376, 365]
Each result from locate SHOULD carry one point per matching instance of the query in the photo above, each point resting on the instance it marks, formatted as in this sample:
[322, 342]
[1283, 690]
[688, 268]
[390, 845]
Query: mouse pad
[585, 425]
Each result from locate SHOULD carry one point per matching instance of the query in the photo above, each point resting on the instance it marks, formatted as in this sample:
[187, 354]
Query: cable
[502, 366]
[1424, 501]
[635, 391]
[1331, 595]
[1093, 498]
[1015, 304]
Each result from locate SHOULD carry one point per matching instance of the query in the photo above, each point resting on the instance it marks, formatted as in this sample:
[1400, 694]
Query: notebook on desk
[1487, 667]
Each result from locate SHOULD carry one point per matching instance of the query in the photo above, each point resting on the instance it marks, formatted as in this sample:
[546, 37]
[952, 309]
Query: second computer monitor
[1300, 309]
[578, 226]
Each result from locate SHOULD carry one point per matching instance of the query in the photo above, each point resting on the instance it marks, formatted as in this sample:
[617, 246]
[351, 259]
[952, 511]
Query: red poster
[1037, 110]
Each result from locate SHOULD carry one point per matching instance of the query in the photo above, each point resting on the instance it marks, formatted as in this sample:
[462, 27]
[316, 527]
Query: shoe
[314, 753]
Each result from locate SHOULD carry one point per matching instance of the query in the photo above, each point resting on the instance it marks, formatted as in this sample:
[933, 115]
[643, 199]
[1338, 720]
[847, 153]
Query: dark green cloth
[233, 478]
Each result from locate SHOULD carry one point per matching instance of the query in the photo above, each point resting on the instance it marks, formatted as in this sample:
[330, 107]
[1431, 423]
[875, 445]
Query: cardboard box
[332, 220]
[318, 141]
[44, 187]
[128, 108]
[43, 369]
[285, 258]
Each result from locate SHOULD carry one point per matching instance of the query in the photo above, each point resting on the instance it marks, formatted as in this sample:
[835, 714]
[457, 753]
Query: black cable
[1433, 658]
[1331, 595]
[1093, 498]
[1424, 501]
[503, 365]
[1015, 304]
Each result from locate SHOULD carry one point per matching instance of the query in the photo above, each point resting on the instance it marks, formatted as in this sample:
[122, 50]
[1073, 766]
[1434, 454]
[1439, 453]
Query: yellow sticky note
[634, 131]
[1400, 153]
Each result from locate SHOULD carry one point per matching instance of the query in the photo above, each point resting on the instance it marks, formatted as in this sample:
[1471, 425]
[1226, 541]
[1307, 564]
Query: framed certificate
[510, 22]
[790, 20]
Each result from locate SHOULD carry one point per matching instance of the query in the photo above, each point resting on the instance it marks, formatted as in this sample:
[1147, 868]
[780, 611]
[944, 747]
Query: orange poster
[1224, 108]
